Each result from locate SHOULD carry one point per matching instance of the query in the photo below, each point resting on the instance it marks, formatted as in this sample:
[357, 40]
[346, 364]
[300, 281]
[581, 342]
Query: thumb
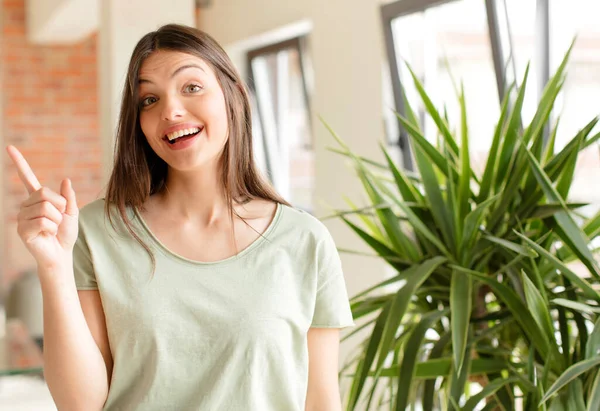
[66, 190]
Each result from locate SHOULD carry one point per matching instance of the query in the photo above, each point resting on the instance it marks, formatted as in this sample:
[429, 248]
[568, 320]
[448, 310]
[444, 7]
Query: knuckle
[45, 207]
[47, 225]
[50, 209]
[40, 223]
[45, 193]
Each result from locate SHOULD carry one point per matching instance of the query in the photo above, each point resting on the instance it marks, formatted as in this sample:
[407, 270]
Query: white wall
[60, 21]
[346, 48]
[3, 162]
[117, 37]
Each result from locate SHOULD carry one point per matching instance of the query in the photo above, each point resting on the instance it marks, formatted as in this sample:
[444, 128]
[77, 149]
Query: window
[487, 43]
[580, 100]
[282, 119]
[449, 40]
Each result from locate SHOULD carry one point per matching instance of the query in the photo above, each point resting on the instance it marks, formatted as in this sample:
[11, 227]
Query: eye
[192, 88]
[148, 101]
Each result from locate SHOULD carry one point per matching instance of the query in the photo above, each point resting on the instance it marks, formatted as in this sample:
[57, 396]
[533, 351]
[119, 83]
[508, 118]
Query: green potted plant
[485, 311]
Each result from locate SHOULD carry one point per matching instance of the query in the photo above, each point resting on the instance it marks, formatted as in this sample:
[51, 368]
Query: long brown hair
[138, 172]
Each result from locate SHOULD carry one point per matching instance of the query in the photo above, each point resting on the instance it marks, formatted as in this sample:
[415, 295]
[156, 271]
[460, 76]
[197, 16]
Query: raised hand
[47, 221]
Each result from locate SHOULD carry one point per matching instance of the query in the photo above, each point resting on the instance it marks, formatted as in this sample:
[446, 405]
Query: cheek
[220, 114]
[147, 127]
[147, 124]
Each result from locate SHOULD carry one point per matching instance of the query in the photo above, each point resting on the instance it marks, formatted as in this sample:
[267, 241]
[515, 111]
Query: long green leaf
[548, 210]
[487, 391]
[420, 227]
[364, 366]
[464, 189]
[434, 197]
[550, 145]
[570, 374]
[575, 396]
[459, 379]
[565, 337]
[585, 287]
[365, 160]
[429, 385]
[517, 248]
[409, 358]
[592, 226]
[565, 179]
[382, 249]
[415, 277]
[460, 303]
[435, 115]
[575, 305]
[442, 367]
[490, 167]
[441, 162]
[388, 219]
[452, 204]
[509, 145]
[556, 164]
[407, 189]
[592, 348]
[391, 224]
[516, 306]
[539, 310]
[374, 229]
[471, 226]
[594, 398]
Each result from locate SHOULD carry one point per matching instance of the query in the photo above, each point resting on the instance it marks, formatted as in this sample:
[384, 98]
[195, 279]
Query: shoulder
[92, 211]
[93, 217]
[304, 224]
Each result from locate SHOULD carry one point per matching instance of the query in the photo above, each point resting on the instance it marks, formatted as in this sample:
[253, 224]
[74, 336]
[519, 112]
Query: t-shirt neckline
[270, 228]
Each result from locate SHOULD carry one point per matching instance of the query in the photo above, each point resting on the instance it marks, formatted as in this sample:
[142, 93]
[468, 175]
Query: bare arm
[323, 387]
[77, 362]
[77, 359]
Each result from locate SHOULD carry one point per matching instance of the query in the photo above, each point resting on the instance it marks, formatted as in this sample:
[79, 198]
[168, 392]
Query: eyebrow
[176, 72]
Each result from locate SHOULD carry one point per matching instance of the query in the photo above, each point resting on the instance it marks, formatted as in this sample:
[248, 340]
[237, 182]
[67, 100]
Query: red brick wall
[49, 111]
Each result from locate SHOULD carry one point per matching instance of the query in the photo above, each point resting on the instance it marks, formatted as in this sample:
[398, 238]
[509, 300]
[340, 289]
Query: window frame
[298, 43]
[399, 8]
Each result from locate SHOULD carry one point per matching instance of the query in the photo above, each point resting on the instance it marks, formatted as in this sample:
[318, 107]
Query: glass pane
[580, 100]
[454, 36]
[285, 125]
[258, 138]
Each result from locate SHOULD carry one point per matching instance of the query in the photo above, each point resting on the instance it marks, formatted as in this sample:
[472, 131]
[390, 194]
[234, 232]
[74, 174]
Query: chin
[192, 164]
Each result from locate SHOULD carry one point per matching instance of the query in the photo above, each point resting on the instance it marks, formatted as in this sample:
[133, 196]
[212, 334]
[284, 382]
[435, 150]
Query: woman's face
[182, 110]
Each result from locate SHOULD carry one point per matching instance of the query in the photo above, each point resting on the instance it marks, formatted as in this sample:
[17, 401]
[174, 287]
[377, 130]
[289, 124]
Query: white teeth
[180, 133]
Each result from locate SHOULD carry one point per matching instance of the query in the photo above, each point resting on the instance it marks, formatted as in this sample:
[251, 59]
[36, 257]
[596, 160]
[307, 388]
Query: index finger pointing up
[25, 173]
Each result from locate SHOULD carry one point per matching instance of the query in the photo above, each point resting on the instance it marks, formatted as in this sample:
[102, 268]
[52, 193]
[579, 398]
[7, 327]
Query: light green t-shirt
[220, 336]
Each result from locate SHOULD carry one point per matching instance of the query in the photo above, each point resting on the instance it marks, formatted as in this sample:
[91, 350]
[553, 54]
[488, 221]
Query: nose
[172, 108]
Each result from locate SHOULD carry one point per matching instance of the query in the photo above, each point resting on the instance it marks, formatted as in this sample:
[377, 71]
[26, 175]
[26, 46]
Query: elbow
[329, 404]
[78, 403]
[69, 397]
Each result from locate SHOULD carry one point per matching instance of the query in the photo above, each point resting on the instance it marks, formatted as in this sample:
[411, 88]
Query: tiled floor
[21, 393]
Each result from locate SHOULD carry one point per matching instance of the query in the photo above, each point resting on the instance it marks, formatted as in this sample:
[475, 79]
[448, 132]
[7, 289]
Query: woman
[192, 285]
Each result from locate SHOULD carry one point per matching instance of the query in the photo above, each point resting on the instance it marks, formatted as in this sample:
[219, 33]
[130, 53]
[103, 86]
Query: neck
[194, 195]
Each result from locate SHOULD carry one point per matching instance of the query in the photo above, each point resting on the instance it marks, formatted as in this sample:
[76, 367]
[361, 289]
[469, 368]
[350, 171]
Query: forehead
[163, 63]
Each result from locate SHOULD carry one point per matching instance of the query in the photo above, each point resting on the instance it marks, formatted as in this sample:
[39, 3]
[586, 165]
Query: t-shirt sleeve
[332, 308]
[83, 267]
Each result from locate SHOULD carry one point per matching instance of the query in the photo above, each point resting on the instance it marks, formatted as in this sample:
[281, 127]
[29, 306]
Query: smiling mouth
[175, 137]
